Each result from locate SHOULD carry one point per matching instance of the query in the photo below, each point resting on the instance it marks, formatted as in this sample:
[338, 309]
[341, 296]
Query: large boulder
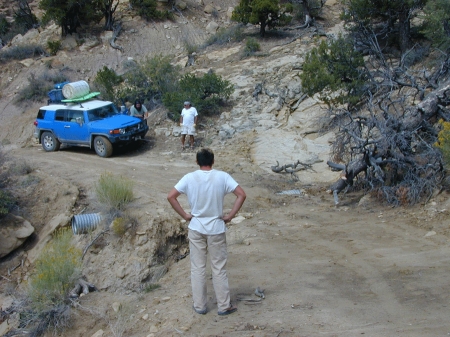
[14, 230]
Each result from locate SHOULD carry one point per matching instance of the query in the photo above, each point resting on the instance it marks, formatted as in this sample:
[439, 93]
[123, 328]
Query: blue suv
[94, 124]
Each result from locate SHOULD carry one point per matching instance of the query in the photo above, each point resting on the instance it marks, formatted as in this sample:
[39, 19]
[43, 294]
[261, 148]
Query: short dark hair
[205, 157]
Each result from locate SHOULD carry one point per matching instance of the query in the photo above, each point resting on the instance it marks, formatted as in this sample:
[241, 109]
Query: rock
[145, 317]
[430, 233]
[212, 27]
[230, 12]
[208, 9]
[27, 62]
[181, 5]
[165, 299]
[237, 220]
[176, 132]
[99, 333]
[69, 43]
[365, 201]
[121, 272]
[105, 37]
[13, 232]
[46, 235]
[89, 44]
[116, 306]
[142, 240]
[153, 328]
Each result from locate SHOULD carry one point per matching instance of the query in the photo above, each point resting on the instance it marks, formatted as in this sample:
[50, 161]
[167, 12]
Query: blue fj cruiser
[94, 124]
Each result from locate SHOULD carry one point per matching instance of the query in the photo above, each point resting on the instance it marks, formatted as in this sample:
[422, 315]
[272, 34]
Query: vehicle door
[59, 124]
[75, 128]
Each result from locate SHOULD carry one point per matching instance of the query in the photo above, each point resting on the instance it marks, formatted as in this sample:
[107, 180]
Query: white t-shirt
[206, 191]
[189, 115]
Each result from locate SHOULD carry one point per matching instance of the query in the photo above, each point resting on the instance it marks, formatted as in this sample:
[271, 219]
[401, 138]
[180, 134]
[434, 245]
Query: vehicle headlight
[117, 131]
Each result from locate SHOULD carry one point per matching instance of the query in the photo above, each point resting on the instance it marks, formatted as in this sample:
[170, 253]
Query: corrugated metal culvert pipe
[85, 223]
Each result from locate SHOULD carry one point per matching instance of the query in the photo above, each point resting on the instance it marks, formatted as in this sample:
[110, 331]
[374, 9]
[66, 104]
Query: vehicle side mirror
[79, 120]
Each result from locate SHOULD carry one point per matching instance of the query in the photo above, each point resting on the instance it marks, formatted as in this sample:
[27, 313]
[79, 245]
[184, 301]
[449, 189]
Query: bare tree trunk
[404, 30]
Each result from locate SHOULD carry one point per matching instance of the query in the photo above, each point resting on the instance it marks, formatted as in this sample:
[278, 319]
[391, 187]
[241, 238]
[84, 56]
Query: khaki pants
[216, 245]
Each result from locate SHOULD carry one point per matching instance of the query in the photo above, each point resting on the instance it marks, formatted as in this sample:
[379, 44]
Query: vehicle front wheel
[49, 142]
[103, 147]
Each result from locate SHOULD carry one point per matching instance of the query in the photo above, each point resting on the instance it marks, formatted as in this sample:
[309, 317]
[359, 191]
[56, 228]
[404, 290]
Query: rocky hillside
[267, 100]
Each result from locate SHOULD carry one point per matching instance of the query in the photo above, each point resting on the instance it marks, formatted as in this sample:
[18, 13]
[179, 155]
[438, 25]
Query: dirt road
[358, 269]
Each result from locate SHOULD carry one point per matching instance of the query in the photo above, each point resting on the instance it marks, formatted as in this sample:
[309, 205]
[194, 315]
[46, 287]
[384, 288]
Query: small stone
[430, 233]
[153, 328]
[165, 299]
[145, 317]
[116, 306]
[99, 333]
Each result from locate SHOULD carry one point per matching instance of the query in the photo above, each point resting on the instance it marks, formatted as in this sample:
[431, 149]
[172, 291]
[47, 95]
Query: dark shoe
[201, 312]
[228, 311]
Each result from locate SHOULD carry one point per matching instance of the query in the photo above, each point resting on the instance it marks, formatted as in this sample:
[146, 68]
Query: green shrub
[21, 168]
[297, 9]
[190, 48]
[206, 93]
[443, 141]
[226, 35]
[436, 15]
[251, 46]
[114, 191]
[54, 46]
[4, 25]
[107, 80]
[148, 10]
[119, 226]
[38, 87]
[54, 77]
[151, 286]
[36, 90]
[334, 66]
[150, 79]
[56, 270]
[6, 202]
[21, 52]
[47, 304]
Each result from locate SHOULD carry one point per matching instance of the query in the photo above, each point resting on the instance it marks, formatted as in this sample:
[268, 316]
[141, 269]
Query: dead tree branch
[392, 145]
[291, 168]
[116, 32]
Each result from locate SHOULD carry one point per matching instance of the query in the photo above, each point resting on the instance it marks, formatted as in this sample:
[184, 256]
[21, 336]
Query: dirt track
[326, 271]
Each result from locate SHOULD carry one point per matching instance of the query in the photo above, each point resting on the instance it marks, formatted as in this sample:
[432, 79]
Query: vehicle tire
[50, 142]
[103, 147]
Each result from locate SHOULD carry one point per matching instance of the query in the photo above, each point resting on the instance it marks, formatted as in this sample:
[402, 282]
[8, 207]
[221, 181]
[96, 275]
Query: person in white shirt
[206, 189]
[188, 122]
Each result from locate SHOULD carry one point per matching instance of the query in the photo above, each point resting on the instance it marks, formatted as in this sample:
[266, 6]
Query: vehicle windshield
[103, 112]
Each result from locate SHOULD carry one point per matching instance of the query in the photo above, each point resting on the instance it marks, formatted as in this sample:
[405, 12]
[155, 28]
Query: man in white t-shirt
[188, 122]
[206, 189]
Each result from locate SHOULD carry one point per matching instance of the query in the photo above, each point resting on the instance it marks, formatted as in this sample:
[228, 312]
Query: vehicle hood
[116, 122]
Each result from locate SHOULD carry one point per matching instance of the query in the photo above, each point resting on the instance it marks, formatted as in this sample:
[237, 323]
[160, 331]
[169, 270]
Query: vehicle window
[59, 115]
[41, 114]
[103, 112]
[73, 115]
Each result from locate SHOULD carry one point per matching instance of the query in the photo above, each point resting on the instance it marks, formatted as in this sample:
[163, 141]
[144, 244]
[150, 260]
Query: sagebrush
[114, 191]
[46, 305]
